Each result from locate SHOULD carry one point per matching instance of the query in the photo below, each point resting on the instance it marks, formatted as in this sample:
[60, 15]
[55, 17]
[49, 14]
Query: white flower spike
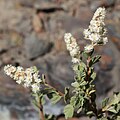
[96, 31]
[72, 47]
[28, 78]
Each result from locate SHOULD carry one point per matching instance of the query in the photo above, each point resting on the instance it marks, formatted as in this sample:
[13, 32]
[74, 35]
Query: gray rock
[36, 46]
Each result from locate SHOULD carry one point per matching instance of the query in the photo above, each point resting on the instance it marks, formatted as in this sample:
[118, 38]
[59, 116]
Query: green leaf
[118, 118]
[112, 101]
[92, 91]
[55, 98]
[118, 107]
[93, 76]
[94, 60]
[105, 102]
[49, 117]
[68, 111]
[43, 78]
[79, 110]
[47, 91]
[80, 71]
[83, 83]
[85, 55]
[79, 101]
[75, 67]
[89, 113]
[75, 84]
[73, 100]
[103, 118]
[115, 99]
[35, 69]
[66, 95]
[83, 65]
[35, 103]
[112, 109]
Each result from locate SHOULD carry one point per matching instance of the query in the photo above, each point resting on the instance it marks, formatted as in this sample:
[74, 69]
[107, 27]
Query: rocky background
[31, 33]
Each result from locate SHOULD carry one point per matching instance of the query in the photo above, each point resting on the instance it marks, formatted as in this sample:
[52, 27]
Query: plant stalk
[92, 102]
[41, 113]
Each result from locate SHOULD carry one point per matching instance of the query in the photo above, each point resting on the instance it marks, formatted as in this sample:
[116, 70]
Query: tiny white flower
[19, 68]
[18, 81]
[105, 40]
[94, 37]
[19, 75]
[38, 80]
[75, 60]
[86, 33]
[27, 82]
[88, 48]
[73, 52]
[10, 70]
[67, 37]
[35, 88]
[36, 77]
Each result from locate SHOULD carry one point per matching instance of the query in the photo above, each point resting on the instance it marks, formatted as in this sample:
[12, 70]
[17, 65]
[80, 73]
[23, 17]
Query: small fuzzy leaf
[55, 98]
[112, 101]
[90, 113]
[73, 100]
[35, 103]
[50, 117]
[102, 118]
[79, 110]
[82, 64]
[79, 101]
[118, 107]
[68, 111]
[66, 96]
[94, 60]
[92, 91]
[35, 69]
[112, 109]
[105, 102]
[75, 67]
[93, 76]
[83, 83]
[118, 118]
[75, 84]
[115, 99]
[85, 55]
[43, 78]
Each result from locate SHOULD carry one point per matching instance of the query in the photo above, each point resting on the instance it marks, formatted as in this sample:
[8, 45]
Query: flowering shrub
[84, 92]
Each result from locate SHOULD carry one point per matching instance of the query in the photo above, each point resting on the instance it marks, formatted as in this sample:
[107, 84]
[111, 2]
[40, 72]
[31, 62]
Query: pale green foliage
[68, 110]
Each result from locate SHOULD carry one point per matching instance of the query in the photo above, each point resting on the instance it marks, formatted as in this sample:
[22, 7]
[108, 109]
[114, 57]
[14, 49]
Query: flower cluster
[96, 31]
[72, 47]
[28, 78]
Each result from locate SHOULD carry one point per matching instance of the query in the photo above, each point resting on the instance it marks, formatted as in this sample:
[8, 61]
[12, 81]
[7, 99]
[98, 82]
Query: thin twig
[41, 111]
[49, 86]
[60, 93]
